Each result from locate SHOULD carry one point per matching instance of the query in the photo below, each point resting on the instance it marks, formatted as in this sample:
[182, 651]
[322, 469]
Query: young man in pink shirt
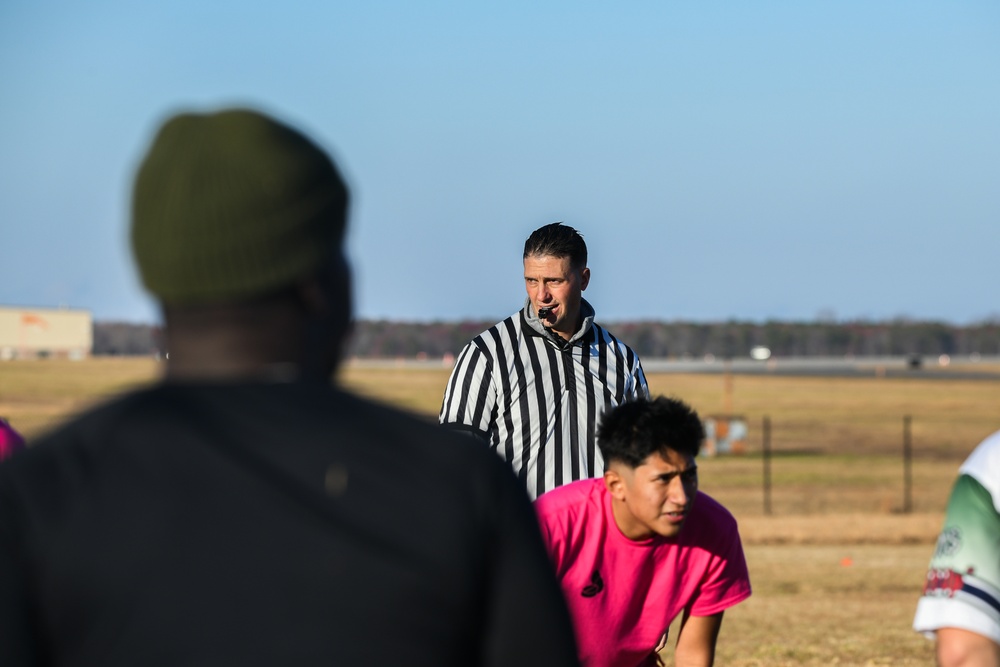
[639, 546]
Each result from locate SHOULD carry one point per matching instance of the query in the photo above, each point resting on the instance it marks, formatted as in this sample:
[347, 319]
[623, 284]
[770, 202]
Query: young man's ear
[614, 483]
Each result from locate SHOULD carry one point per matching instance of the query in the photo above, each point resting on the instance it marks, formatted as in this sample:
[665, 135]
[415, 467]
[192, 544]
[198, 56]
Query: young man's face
[655, 497]
[551, 282]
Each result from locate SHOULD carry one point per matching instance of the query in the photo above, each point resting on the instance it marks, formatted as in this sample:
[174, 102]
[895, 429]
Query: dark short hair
[557, 240]
[632, 431]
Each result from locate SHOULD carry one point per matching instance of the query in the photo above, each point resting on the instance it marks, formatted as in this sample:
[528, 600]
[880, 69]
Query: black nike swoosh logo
[595, 587]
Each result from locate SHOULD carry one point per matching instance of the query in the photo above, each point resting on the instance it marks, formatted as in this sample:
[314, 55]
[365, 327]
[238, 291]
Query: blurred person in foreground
[960, 606]
[244, 511]
[641, 545]
[534, 385]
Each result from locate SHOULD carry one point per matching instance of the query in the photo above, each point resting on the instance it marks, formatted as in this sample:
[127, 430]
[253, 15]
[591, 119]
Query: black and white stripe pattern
[537, 399]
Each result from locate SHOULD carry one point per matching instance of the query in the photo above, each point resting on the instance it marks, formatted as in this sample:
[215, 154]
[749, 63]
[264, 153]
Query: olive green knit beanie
[232, 205]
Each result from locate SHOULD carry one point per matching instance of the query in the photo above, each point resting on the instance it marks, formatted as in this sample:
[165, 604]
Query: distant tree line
[125, 339]
[386, 339]
[804, 339]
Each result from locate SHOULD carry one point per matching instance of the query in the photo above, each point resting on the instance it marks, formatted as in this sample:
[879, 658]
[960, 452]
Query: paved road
[958, 368]
[983, 368]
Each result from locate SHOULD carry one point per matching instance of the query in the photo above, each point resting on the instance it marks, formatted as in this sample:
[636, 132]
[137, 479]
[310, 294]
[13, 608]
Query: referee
[534, 385]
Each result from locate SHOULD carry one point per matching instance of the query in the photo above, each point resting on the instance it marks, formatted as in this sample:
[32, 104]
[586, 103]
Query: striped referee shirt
[536, 398]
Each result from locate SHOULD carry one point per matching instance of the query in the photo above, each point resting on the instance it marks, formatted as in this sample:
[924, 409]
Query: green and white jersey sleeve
[962, 589]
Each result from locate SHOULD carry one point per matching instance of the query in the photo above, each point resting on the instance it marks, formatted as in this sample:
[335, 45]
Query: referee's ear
[584, 278]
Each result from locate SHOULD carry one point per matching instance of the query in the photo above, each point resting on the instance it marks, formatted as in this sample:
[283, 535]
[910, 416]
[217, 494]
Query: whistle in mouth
[544, 312]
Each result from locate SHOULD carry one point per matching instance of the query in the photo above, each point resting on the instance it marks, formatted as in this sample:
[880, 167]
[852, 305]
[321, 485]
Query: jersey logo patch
[595, 587]
[949, 541]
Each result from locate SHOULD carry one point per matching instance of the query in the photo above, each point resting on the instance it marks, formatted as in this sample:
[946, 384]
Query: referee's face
[552, 283]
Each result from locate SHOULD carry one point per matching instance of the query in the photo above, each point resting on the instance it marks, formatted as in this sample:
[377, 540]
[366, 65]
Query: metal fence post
[907, 466]
[767, 465]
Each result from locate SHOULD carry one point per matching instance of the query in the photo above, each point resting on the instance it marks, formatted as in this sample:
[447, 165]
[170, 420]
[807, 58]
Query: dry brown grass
[849, 415]
[837, 490]
[418, 391]
[828, 483]
[37, 395]
[828, 605]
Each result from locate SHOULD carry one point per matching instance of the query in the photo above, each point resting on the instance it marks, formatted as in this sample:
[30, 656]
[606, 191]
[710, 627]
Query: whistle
[544, 312]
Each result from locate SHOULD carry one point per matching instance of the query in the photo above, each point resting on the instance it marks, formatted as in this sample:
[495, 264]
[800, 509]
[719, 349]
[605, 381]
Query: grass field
[836, 567]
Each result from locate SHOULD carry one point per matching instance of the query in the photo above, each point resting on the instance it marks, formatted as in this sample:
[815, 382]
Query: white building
[28, 333]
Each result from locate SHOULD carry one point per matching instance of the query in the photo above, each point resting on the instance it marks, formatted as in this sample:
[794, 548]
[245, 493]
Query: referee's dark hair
[632, 431]
[557, 240]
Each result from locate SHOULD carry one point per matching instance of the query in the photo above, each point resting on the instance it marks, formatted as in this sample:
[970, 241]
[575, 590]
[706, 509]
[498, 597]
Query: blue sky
[723, 159]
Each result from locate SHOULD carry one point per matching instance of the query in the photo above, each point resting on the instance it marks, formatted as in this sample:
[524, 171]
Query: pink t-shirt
[623, 594]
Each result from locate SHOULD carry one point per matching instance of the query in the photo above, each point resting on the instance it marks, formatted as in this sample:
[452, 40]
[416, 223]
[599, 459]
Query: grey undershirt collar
[586, 310]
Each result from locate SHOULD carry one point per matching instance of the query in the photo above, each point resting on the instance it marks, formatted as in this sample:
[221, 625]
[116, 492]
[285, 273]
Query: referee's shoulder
[604, 335]
[486, 340]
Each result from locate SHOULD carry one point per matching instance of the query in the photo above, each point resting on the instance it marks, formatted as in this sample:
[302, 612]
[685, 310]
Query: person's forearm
[696, 641]
[961, 648]
[693, 659]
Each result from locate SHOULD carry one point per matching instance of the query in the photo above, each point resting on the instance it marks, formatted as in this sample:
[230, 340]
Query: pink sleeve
[727, 580]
